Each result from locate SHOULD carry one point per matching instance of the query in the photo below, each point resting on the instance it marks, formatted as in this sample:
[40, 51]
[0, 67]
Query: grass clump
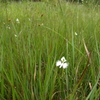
[33, 36]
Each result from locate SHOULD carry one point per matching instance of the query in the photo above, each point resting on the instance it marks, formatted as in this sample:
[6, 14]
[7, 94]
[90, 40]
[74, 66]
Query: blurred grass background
[44, 33]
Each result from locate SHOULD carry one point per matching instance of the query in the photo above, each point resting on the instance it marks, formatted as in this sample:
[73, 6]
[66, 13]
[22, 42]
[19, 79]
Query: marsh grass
[46, 32]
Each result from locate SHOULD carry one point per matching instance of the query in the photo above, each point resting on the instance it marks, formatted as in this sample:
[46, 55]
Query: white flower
[17, 20]
[15, 35]
[61, 63]
[76, 33]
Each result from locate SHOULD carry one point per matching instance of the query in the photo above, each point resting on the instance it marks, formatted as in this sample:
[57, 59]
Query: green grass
[46, 32]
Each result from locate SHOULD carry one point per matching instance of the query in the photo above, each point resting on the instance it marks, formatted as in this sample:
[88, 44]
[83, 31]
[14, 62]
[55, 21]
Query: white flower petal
[58, 63]
[17, 20]
[15, 35]
[63, 59]
[65, 65]
[76, 33]
[61, 65]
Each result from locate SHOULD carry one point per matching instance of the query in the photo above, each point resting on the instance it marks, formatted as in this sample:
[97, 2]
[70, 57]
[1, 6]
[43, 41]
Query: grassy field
[34, 36]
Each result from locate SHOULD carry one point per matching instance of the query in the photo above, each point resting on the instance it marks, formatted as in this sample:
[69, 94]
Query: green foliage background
[46, 32]
[79, 1]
